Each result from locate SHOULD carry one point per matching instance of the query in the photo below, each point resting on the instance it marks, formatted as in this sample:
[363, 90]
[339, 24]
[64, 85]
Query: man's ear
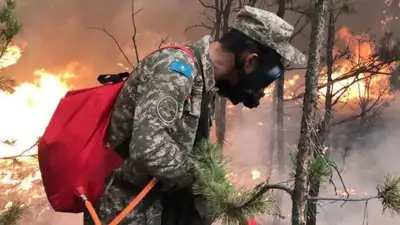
[250, 59]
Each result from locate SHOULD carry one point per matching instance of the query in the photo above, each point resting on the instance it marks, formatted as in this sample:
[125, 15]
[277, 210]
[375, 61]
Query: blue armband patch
[182, 68]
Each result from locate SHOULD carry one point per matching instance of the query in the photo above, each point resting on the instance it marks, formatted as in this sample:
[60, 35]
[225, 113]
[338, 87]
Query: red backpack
[73, 157]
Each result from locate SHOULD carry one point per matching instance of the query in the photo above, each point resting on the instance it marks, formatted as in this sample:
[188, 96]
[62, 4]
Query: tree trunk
[272, 138]
[280, 83]
[325, 125]
[223, 11]
[221, 120]
[308, 118]
[280, 146]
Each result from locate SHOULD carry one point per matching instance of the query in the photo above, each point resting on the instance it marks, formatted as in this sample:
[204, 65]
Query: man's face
[246, 81]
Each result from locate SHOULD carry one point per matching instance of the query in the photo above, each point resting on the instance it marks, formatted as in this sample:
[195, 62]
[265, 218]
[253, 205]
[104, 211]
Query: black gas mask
[250, 87]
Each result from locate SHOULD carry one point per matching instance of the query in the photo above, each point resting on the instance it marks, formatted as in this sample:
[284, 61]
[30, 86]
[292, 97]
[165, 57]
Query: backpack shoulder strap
[203, 129]
[116, 78]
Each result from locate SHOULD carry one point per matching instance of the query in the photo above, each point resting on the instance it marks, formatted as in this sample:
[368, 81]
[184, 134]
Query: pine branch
[9, 27]
[13, 214]
[227, 203]
[264, 188]
[389, 194]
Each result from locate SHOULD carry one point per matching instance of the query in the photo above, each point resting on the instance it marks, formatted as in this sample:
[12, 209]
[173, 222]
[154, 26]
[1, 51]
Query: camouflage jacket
[158, 109]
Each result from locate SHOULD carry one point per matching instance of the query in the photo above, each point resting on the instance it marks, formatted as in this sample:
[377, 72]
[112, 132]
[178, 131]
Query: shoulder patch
[182, 68]
[167, 109]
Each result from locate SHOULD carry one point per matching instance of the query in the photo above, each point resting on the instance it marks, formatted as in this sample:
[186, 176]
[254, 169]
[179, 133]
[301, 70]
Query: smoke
[56, 33]
[364, 168]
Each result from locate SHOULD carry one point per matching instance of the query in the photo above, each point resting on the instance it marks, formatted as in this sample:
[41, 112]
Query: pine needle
[389, 194]
[13, 214]
[227, 203]
[319, 168]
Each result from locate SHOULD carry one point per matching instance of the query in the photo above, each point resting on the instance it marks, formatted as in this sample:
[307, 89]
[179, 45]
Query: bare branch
[364, 110]
[263, 188]
[163, 41]
[339, 199]
[208, 6]
[115, 41]
[23, 152]
[334, 166]
[134, 13]
[203, 25]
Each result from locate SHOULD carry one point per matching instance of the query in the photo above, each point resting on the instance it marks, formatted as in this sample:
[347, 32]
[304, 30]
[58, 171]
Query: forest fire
[10, 56]
[32, 104]
[350, 192]
[23, 118]
[370, 85]
[348, 84]
[29, 107]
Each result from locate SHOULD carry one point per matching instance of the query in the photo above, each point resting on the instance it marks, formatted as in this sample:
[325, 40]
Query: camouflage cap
[270, 30]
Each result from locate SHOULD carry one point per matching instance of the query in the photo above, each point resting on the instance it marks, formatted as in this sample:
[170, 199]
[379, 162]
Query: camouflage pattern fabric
[270, 30]
[158, 109]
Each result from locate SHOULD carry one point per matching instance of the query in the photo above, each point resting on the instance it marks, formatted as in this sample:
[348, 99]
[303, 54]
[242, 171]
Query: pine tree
[309, 111]
[9, 27]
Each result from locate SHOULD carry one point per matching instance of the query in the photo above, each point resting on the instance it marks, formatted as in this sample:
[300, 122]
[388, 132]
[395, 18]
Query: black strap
[203, 128]
[112, 78]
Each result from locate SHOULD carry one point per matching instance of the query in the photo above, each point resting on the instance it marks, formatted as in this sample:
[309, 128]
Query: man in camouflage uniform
[156, 116]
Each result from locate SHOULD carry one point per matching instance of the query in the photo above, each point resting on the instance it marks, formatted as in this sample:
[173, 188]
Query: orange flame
[357, 86]
[26, 112]
[362, 85]
[10, 56]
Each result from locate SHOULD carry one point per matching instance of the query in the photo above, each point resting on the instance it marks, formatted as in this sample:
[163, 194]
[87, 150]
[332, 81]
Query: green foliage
[9, 27]
[389, 194]
[292, 164]
[319, 168]
[13, 214]
[225, 202]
